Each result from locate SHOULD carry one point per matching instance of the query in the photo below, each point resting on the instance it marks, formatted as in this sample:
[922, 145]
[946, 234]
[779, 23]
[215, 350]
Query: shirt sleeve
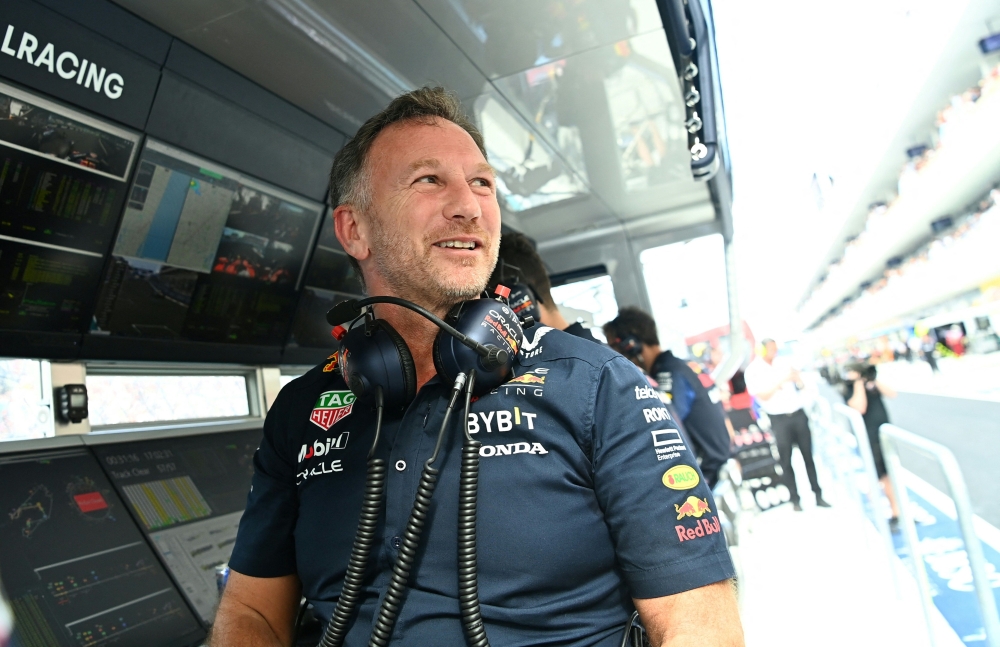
[265, 543]
[660, 512]
[683, 396]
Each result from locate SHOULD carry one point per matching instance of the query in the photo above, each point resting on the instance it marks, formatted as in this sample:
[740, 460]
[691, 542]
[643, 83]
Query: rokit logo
[658, 414]
[67, 65]
[331, 408]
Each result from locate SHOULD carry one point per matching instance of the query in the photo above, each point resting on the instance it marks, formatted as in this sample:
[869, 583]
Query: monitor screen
[330, 279]
[62, 174]
[188, 494]
[75, 567]
[204, 254]
[46, 289]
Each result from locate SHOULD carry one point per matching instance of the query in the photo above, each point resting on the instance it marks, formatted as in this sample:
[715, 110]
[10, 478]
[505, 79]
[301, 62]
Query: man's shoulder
[304, 389]
[545, 344]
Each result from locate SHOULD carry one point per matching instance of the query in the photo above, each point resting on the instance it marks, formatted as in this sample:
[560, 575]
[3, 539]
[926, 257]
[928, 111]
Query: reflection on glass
[595, 296]
[529, 174]
[646, 114]
[117, 399]
[22, 413]
[698, 303]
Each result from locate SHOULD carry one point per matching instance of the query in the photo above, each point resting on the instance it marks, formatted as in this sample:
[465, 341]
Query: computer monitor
[330, 279]
[75, 567]
[187, 494]
[205, 254]
[63, 178]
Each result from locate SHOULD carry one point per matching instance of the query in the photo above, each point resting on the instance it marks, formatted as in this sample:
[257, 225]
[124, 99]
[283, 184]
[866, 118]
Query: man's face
[770, 351]
[434, 226]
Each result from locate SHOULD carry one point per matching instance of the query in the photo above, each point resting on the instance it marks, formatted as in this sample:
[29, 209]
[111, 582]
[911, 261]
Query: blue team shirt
[588, 497]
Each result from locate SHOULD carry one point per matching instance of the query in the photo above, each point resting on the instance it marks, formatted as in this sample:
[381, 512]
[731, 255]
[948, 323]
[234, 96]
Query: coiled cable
[468, 487]
[392, 602]
[364, 539]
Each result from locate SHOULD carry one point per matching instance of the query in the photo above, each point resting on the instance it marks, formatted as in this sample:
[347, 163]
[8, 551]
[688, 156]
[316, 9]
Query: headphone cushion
[405, 360]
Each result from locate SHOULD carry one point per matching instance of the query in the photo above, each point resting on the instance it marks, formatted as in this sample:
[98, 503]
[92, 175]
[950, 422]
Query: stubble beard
[410, 274]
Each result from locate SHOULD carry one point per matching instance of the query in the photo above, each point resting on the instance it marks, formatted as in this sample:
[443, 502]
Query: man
[577, 518]
[776, 388]
[520, 264]
[703, 418]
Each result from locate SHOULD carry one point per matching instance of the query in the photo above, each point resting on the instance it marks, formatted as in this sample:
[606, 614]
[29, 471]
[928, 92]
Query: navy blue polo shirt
[588, 497]
[703, 419]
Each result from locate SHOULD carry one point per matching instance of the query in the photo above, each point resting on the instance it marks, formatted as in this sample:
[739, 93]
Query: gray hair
[350, 177]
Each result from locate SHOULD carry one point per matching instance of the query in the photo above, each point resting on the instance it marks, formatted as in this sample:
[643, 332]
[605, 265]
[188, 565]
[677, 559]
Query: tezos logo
[331, 408]
[681, 477]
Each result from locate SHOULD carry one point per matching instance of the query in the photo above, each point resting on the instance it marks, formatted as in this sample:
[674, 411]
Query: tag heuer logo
[331, 408]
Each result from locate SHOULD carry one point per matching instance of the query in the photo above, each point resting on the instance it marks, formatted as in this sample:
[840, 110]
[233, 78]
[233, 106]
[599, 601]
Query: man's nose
[462, 202]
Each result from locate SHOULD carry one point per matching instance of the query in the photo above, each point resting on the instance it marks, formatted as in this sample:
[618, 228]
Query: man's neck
[418, 333]
[552, 318]
[649, 355]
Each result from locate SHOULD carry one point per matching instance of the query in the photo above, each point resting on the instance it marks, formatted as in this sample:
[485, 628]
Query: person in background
[864, 395]
[633, 333]
[929, 350]
[520, 265]
[776, 387]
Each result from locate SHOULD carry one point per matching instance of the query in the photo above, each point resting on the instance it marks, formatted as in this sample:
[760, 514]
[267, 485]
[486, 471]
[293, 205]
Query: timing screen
[188, 494]
[75, 567]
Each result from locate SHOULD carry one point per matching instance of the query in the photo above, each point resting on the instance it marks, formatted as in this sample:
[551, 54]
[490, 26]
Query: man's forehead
[403, 143]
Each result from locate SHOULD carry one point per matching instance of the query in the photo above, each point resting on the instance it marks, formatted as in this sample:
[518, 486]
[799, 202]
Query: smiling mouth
[456, 244]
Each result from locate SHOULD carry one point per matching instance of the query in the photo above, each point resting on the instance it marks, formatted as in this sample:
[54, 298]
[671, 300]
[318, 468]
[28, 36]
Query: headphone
[484, 334]
[631, 346]
[524, 299]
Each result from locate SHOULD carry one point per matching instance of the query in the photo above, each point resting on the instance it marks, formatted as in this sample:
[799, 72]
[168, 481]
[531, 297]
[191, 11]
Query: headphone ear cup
[405, 361]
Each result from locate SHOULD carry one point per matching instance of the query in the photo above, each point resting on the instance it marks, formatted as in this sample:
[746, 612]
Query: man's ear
[351, 231]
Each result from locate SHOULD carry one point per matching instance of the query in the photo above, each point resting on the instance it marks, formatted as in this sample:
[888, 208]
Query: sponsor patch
[322, 447]
[681, 477]
[527, 378]
[667, 443]
[702, 528]
[331, 408]
[530, 348]
[512, 448]
[692, 507]
[331, 366]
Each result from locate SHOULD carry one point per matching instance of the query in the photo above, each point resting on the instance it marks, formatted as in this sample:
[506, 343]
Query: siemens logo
[66, 64]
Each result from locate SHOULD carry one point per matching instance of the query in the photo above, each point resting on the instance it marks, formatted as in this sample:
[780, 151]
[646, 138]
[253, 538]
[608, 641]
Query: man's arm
[708, 617]
[885, 389]
[257, 612]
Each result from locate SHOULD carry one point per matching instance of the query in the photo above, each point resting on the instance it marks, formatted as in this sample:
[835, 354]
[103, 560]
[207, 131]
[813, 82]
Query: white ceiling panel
[502, 38]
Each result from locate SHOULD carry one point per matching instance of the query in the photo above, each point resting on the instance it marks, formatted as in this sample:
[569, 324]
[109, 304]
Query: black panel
[193, 118]
[331, 279]
[117, 24]
[209, 73]
[19, 343]
[158, 350]
[75, 566]
[121, 87]
[187, 494]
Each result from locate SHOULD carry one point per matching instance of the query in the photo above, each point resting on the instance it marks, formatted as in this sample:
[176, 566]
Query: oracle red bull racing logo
[527, 378]
[331, 408]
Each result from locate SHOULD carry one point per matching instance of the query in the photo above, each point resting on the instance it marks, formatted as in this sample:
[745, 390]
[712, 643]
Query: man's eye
[481, 181]
[428, 179]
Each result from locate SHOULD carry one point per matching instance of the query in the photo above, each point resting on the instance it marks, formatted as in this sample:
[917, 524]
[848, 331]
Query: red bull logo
[527, 378]
[692, 507]
[702, 528]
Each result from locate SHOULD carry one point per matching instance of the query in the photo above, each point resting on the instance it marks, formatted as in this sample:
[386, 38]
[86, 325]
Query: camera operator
[589, 504]
[864, 393]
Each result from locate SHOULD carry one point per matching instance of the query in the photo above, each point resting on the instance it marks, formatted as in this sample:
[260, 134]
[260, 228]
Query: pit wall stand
[892, 437]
